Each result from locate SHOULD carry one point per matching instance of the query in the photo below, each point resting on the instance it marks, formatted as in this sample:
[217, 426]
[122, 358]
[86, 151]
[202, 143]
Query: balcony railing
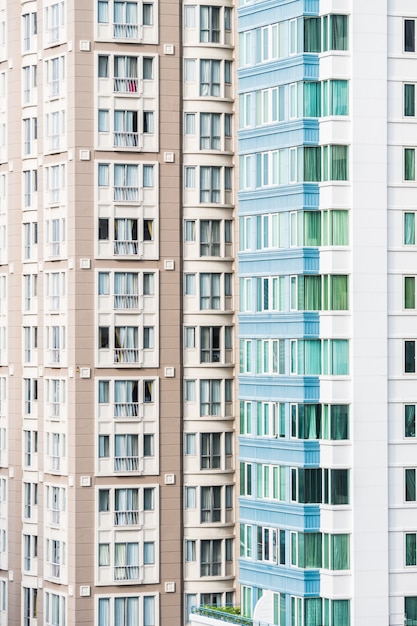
[55, 570]
[126, 301]
[55, 516]
[126, 463]
[126, 518]
[54, 88]
[126, 355]
[126, 140]
[55, 248]
[226, 614]
[53, 34]
[126, 247]
[125, 31]
[126, 194]
[55, 463]
[54, 409]
[126, 85]
[126, 409]
[55, 355]
[126, 572]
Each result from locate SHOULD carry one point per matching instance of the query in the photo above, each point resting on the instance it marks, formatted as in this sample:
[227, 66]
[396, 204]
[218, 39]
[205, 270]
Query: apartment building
[327, 312]
[93, 356]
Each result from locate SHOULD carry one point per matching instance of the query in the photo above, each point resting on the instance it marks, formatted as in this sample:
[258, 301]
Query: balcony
[53, 34]
[55, 570]
[126, 572]
[126, 464]
[229, 615]
[54, 410]
[126, 140]
[54, 88]
[125, 31]
[55, 463]
[55, 248]
[126, 409]
[126, 194]
[126, 355]
[126, 518]
[126, 301]
[126, 85]
[55, 517]
[125, 248]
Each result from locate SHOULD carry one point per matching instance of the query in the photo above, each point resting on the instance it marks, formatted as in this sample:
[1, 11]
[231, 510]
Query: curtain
[410, 485]
[339, 97]
[339, 357]
[312, 228]
[409, 229]
[310, 361]
[410, 420]
[409, 100]
[409, 164]
[339, 228]
[207, 504]
[103, 18]
[309, 297]
[312, 99]
[340, 613]
[340, 552]
[312, 164]
[339, 32]
[103, 121]
[148, 611]
[313, 611]
[312, 34]
[103, 555]
[205, 75]
[339, 293]
[103, 175]
[339, 162]
[339, 422]
[409, 292]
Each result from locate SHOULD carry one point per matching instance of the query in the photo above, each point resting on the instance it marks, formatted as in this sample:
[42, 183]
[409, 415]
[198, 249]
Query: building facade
[327, 311]
[92, 518]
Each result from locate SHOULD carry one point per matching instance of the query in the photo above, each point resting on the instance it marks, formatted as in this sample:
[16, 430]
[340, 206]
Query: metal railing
[225, 614]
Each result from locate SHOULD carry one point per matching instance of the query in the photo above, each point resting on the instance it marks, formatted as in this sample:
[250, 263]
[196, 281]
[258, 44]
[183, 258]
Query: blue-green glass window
[409, 164]
[410, 549]
[339, 97]
[312, 164]
[312, 611]
[410, 485]
[409, 100]
[410, 420]
[339, 169]
[312, 99]
[409, 292]
[338, 32]
[312, 34]
[409, 229]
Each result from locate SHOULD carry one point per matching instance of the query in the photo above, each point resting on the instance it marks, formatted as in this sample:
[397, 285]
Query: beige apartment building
[116, 311]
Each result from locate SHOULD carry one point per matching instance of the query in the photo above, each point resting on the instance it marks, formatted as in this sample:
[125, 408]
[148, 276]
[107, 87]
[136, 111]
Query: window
[410, 610]
[209, 77]
[410, 549]
[409, 164]
[211, 558]
[409, 420]
[245, 479]
[409, 292]
[335, 32]
[30, 499]
[410, 485]
[409, 109]
[209, 24]
[127, 611]
[314, 293]
[210, 131]
[409, 35]
[409, 232]
[211, 507]
[55, 609]
[30, 442]
[54, 21]
[270, 293]
[320, 486]
[30, 605]
[210, 184]
[315, 357]
[409, 357]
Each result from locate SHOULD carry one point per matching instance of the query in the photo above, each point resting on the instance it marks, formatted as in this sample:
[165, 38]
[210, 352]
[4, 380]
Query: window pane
[410, 357]
[409, 101]
[409, 292]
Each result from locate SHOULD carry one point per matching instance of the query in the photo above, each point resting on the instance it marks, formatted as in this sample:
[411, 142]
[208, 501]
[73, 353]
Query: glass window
[410, 485]
[409, 357]
[410, 420]
[409, 35]
[409, 100]
[409, 164]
